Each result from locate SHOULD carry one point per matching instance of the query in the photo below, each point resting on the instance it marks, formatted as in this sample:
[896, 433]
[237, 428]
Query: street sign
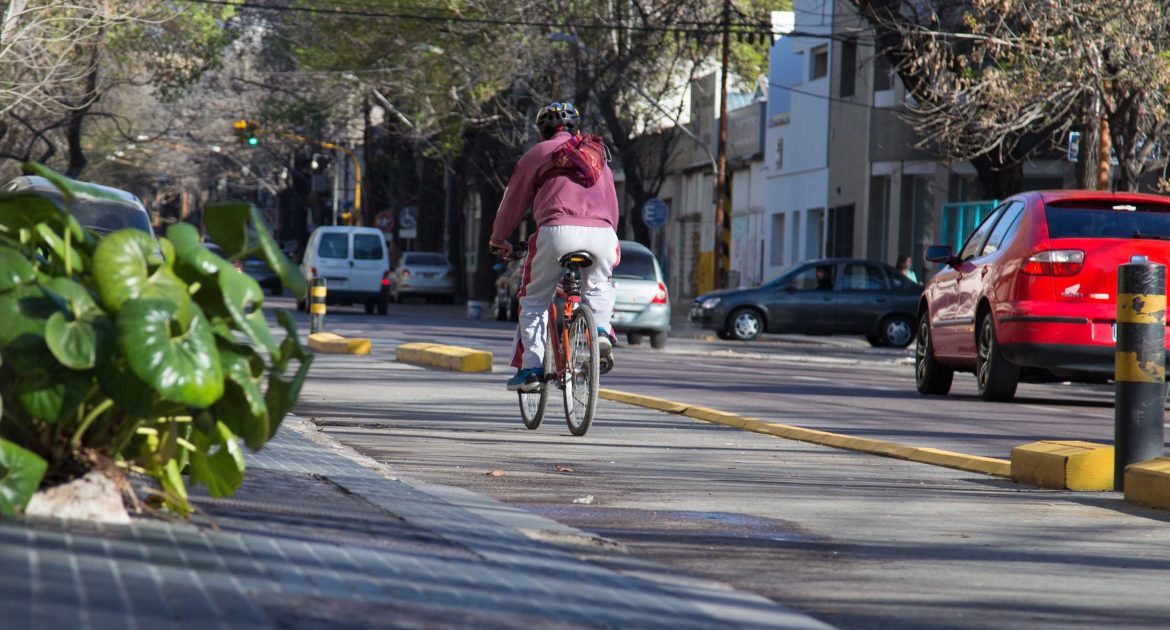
[408, 222]
[654, 213]
[384, 221]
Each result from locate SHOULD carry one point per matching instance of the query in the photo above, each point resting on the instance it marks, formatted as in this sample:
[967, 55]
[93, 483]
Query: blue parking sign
[654, 212]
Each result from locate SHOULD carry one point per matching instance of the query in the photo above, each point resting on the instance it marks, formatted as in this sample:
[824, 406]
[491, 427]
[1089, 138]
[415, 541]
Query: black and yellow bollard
[1140, 365]
[317, 306]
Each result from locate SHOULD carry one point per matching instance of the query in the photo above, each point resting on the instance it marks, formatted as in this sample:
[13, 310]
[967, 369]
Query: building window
[848, 67]
[840, 238]
[879, 216]
[778, 224]
[883, 74]
[780, 154]
[820, 63]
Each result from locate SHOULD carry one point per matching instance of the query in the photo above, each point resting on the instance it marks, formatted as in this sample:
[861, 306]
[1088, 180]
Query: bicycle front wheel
[582, 373]
[532, 404]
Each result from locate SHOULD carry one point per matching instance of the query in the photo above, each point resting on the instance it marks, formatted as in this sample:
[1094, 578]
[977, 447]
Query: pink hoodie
[561, 201]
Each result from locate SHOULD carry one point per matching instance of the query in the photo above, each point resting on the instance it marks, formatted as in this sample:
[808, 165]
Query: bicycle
[571, 357]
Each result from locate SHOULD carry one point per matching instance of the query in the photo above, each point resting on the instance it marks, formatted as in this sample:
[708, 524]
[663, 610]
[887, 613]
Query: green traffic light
[253, 141]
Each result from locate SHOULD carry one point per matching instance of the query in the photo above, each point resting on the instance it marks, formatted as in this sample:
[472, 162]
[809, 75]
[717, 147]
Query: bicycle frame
[560, 339]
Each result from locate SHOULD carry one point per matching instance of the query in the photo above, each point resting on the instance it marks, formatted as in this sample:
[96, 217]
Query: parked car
[642, 305]
[354, 263]
[829, 296]
[1031, 295]
[426, 274]
[259, 271]
[101, 214]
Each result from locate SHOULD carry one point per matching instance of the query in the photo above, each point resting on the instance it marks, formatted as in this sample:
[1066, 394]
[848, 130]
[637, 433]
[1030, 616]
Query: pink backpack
[581, 158]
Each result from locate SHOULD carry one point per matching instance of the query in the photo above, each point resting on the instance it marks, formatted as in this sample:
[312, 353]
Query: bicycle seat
[580, 258]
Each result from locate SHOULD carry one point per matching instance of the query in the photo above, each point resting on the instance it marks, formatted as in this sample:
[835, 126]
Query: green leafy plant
[154, 355]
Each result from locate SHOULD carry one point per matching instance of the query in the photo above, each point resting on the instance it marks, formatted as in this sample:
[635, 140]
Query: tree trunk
[484, 286]
[1103, 150]
[73, 129]
[1086, 169]
[999, 182]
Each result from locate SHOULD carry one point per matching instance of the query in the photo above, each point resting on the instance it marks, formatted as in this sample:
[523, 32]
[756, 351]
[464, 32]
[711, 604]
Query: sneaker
[526, 380]
[605, 342]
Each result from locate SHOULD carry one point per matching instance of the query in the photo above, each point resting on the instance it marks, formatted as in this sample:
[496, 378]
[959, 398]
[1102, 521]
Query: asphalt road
[837, 384]
[856, 540]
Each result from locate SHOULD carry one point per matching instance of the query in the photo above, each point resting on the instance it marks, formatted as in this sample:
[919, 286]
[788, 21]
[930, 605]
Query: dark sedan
[819, 297]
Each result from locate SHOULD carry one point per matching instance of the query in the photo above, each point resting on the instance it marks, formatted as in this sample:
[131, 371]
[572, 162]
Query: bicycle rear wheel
[532, 404]
[583, 372]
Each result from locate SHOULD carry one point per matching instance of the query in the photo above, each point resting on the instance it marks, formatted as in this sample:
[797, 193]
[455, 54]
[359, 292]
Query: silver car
[643, 305]
[119, 209]
[426, 274]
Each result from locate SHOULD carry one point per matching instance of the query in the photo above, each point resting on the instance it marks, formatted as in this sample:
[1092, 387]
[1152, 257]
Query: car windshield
[431, 260]
[104, 215]
[1108, 220]
[635, 265]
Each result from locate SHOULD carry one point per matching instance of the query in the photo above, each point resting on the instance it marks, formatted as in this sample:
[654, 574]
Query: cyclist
[566, 181]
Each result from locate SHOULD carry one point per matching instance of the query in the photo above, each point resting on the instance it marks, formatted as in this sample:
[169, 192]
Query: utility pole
[722, 234]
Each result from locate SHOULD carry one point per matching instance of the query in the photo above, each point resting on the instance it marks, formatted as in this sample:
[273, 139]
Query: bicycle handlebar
[519, 250]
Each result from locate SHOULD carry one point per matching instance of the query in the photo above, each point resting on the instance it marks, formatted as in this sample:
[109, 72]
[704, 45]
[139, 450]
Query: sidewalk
[315, 539]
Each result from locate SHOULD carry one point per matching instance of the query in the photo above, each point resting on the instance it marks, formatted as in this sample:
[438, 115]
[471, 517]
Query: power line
[830, 98]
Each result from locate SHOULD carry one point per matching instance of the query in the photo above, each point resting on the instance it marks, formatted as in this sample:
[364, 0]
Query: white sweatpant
[542, 273]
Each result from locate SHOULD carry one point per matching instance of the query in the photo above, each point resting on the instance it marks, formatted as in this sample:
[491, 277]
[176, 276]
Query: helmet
[555, 115]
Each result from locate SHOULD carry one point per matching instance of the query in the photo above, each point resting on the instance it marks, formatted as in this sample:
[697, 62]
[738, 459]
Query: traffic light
[245, 132]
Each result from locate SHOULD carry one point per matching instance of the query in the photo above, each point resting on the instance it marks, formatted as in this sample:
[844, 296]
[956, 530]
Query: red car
[1032, 293]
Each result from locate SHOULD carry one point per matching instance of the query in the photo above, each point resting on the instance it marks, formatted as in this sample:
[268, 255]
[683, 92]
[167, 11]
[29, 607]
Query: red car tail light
[660, 295]
[385, 278]
[1054, 262]
[312, 272]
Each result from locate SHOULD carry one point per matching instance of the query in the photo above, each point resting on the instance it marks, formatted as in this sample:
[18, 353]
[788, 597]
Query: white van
[354, 263]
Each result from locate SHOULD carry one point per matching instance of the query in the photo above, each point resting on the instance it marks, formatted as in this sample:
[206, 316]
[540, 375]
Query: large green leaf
[243, 407]
[178, 359]
[83, 332]
[15, 269]
[21, 471]
[192, 255]
[217, 461]
[123, 271]
[130, 393]
[227, 225]
[27, 209]
[240, 296]
[290, 347]
[68, 254]
[290, 276]
[282, 394]
[46, 389]
[23, 314]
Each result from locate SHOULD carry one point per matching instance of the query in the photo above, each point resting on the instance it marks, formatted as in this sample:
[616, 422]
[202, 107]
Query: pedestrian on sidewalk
[565, 179]
[903, 266]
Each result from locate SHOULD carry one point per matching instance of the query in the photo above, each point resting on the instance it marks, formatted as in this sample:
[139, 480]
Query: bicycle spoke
[581, 378]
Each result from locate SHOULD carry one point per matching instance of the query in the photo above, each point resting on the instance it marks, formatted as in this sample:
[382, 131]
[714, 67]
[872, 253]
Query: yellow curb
[1148, 483]
[335, 344]
[661, 404]
[1064, 465]
[716, 416]
[456, 358]
[962, 461]
[948, 459]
